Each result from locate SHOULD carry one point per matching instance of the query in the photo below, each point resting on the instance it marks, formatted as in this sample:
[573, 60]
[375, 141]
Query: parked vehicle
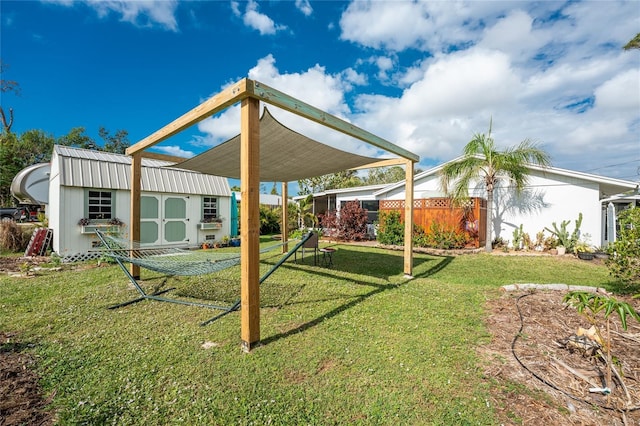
[19, 214]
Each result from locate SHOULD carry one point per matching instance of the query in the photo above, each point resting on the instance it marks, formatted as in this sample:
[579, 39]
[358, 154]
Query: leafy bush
[269, 220]
[499, 242]
[350, 224]
[440, 235]
[390, 228]
[13, 238]
[443, 236]
[624, 254]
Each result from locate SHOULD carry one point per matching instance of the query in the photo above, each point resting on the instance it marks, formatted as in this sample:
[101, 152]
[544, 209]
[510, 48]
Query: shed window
[209, 208]
[100, 204]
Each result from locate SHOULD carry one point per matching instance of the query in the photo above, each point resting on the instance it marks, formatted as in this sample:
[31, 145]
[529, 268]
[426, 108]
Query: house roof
[268, 199]
[285, 155]
[343, 191]
[96, 169]
[608, 186]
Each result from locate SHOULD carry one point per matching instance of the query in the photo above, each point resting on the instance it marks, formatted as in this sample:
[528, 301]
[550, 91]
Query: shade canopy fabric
[285, 156]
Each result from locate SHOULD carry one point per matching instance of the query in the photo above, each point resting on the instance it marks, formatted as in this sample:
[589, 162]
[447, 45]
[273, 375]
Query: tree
[117, 143]
[381, 175]
[483, 162]
[7, 86]
[304, 212]
[18, 152]
[634, 43]
[344, 179]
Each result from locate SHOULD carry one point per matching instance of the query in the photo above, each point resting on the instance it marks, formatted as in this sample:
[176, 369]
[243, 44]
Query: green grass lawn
[354, 344]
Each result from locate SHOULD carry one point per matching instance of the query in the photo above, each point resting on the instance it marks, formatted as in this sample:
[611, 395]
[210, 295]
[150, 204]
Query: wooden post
[134, 213]
[408, 220]
[285, 217]
[250, 223]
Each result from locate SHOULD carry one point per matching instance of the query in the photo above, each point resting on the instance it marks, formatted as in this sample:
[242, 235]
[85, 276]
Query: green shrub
[390, 228]
[624, 254]
[442, 236]
[269, 220]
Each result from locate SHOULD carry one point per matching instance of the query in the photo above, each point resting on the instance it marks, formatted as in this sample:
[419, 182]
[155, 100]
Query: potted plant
[115, 221]
[211, 223]
[583, 249]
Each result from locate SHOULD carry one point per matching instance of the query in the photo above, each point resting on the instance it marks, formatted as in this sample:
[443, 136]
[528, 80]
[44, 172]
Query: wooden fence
[471, 217]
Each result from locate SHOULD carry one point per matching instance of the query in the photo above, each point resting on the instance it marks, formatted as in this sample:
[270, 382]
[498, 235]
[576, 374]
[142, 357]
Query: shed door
[174, 220]
[163, 219]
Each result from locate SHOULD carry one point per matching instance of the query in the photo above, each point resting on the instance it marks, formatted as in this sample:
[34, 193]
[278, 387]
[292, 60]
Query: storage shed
[90, 190]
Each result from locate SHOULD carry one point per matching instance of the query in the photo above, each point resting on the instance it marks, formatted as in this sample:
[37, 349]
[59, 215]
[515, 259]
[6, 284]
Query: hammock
[172, 261]
[179, 262]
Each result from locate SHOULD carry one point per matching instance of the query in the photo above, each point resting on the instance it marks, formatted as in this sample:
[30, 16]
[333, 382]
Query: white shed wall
[70, 241]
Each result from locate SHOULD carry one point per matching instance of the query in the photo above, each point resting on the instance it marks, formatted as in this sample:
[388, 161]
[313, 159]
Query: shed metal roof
[96, 169]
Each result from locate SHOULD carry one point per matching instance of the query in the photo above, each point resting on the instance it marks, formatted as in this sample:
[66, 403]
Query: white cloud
[313, 86]
[174, 150]
[148, 13]
[617, 93]
[304, 6]
[252, 18]
[539, 70]
[514, 35]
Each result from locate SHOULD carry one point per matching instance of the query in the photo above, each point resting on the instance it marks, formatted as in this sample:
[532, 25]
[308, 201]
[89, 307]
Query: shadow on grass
[619, 287]
[356, 268]
[348, 263]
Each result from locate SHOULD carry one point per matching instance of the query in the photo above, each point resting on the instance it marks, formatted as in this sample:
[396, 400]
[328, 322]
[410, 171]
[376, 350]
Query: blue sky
[423, 75]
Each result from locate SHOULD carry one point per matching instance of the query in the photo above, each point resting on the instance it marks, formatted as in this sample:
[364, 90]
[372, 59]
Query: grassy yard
[355, 344]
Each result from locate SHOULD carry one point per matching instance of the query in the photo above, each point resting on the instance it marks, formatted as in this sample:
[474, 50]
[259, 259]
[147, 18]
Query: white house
[333, 199]
[552, 195]
[90, 190]
[270, 200]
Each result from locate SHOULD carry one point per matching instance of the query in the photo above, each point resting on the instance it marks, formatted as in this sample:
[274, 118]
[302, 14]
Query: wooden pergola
[249, 93]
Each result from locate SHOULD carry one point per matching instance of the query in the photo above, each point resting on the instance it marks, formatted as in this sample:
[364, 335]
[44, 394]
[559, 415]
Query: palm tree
[304, 212]
[482, 161]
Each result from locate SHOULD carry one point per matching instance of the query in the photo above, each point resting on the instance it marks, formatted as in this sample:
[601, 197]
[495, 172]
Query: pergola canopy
[285, 156]
[267, 151]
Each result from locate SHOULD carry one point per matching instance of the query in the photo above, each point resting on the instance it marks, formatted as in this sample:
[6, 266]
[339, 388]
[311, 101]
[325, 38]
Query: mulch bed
[21, 399]
[536, 375]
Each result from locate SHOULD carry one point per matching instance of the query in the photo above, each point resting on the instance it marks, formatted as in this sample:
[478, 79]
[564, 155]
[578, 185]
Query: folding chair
[310, 244]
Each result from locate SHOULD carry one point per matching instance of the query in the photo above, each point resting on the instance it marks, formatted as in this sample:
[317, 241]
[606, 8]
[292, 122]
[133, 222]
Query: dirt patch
[21, 399]
[15, 264]
[536, 379]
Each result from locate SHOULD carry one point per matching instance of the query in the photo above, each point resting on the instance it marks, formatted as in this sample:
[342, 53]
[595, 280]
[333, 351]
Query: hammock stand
[168, 260]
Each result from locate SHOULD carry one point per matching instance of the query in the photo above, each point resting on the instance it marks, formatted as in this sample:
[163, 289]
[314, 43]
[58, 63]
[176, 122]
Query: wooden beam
[250, 218]
[134, 207]
[383, 163]
[229, 96]
[408, 220]
[293, 105]
[284, 231]
[162, 157]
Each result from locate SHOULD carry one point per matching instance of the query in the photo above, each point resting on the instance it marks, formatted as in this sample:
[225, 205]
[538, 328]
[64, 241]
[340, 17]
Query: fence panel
[471, 217]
